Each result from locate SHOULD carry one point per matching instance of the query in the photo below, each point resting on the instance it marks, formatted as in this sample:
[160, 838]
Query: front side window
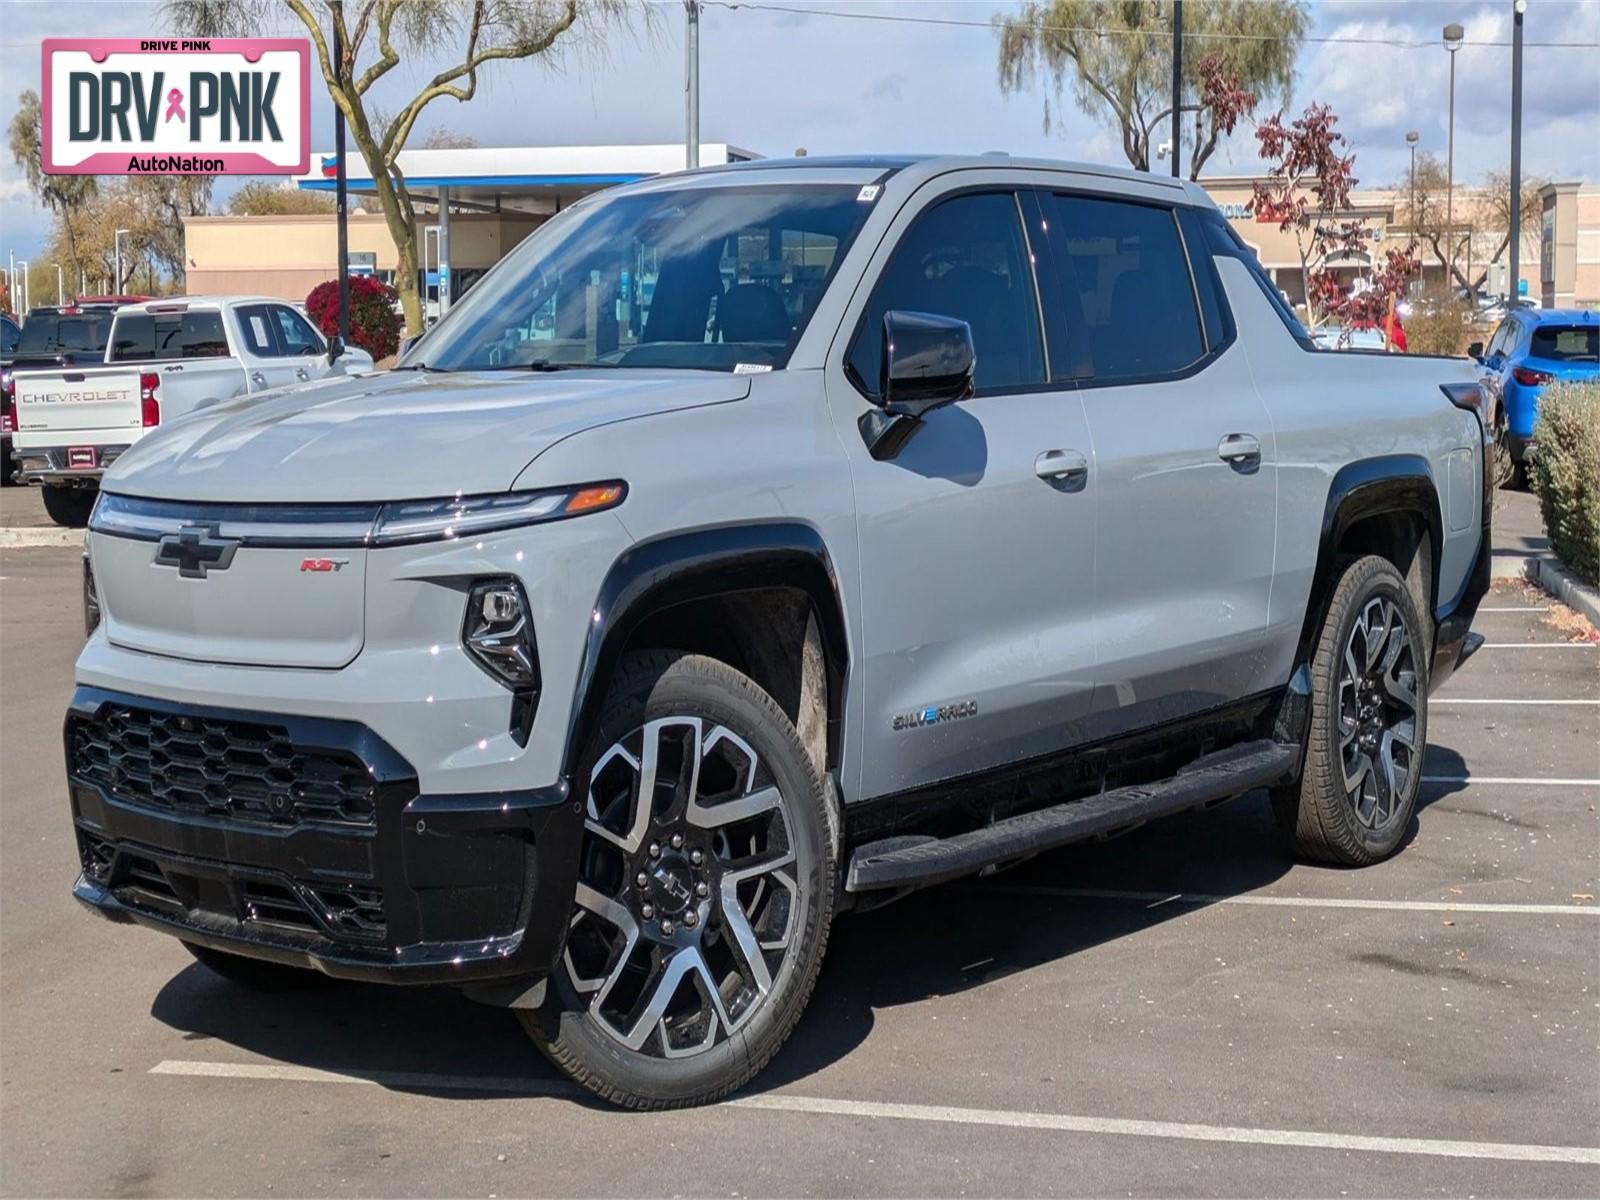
[1566, 343]
[1124, 278]
[709, 278]
[963, 258]
[142, 337]
[295, 334]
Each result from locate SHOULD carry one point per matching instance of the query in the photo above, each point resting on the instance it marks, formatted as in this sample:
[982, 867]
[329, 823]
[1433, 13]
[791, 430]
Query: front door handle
[300, 373]
[1238, 449]
[1061, 465]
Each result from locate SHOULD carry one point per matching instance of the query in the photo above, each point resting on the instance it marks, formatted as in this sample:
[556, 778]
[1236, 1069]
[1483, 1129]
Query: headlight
[498, 633]
[464, 516]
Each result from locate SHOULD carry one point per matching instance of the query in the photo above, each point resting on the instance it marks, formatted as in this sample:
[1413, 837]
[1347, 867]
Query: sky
[775, 80]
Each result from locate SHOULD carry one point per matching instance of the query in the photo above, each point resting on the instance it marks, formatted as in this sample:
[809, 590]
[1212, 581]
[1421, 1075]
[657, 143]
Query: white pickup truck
[165, 359]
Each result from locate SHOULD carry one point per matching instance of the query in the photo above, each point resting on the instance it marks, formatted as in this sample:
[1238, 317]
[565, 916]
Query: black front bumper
[305, 841]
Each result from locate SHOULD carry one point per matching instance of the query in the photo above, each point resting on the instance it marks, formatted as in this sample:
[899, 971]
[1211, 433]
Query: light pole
[61, 287]
[27, 288]
[1177, 81]
[116, 255]
[1412, 138]
[1514, 279]
[691, 84]
[1452, 42]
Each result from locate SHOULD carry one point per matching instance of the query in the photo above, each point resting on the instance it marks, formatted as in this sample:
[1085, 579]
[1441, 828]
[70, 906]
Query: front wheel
[705, 890]
[1369, 723]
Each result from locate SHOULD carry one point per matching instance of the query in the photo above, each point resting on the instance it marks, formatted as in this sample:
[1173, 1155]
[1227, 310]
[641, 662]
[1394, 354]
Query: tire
[254, 973]
[1509, 473]
[1367, 725]
[680, 981]
[68, 506]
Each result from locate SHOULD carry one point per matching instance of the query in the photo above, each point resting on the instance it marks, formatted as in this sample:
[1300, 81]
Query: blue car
[1531, 348]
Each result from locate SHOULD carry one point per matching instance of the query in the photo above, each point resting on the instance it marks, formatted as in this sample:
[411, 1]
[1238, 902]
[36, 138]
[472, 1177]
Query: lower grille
[193, 764]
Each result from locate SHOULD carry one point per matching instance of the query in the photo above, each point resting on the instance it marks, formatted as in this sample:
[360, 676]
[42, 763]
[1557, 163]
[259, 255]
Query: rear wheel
[705, 892]
[68, 506]
[256, 974]
[1509, 473]
[1369, 723]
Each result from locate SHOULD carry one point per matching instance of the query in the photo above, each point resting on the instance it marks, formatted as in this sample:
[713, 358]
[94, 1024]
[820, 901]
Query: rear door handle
[257, 378]
[1238, 448]
[1061, 465]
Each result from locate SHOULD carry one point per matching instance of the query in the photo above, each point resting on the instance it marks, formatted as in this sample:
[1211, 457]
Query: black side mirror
[928, 362]
[335, 349]
[1475, 350]
[405, 344]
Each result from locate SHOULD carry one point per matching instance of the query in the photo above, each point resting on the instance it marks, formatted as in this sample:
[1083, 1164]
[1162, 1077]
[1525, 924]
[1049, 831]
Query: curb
[1549, 574]
[31, 536]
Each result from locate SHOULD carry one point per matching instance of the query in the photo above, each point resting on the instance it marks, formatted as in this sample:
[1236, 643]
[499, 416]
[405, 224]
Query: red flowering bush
[374, 320]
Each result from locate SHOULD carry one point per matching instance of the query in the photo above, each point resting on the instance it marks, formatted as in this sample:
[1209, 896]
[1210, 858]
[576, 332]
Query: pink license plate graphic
[81, 458]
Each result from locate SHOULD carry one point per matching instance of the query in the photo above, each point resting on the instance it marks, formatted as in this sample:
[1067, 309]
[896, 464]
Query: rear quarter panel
[1333, 408]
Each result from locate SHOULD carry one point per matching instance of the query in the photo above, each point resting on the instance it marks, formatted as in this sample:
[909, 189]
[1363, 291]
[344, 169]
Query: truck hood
[396, 436]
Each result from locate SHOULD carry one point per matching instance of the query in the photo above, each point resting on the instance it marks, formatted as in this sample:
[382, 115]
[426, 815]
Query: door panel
[1184, 465]
[977, 538]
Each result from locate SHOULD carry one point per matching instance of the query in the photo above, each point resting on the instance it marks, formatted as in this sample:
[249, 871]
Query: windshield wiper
[419, 366]
[544, 364]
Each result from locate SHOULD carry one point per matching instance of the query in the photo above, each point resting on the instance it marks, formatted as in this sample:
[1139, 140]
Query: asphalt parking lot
[1182, 1010]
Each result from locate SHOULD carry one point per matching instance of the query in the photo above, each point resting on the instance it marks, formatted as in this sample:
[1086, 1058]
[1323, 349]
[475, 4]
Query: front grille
[203, 765]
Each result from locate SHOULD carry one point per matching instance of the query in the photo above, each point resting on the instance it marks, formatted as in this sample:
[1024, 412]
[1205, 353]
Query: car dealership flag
[176, 106]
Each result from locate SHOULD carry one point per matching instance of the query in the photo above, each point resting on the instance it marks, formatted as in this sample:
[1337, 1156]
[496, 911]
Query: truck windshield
[53, 333]
[705, 278]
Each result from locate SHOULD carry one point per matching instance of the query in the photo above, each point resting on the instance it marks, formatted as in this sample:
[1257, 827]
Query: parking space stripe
[1437, 700]
[938, 1114]
[1511, 779]
[1516, 609]
[1156, 899]
[1539, 646]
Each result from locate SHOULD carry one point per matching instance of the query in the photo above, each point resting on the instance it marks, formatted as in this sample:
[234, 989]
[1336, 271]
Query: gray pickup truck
[753, 544]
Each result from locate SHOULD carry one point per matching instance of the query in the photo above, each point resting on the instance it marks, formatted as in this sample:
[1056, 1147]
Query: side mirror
[405, 345]
[1475, 350]
[335, 349]
[928, 362]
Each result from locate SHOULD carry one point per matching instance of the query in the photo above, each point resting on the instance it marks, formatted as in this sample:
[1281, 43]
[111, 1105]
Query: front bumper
[305, 841]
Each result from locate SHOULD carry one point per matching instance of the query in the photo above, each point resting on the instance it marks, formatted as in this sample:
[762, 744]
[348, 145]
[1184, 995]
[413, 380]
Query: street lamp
[1453, 35]
[116, 254]
[1412, 138]
[1514, 279]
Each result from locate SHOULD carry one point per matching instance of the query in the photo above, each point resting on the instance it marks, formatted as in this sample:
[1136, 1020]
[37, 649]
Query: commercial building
[478, 202]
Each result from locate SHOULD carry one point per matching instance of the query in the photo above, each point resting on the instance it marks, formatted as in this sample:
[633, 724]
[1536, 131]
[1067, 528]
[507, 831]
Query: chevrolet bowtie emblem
[194, 550]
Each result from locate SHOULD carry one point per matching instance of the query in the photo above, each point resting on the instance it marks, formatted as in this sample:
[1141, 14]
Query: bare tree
[1119, 54]
[377, 36]
[1421, 206]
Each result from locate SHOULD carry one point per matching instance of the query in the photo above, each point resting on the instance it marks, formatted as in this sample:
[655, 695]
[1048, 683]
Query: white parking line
[1539, 646]
[1156, 899]
[938, 1114]
[1517, 609]
[1510, 779]
[1436, 700]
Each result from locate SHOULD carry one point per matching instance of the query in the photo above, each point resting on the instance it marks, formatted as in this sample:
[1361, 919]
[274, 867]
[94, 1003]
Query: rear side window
[1122, 267]
[1223, 242]
[1566, 343]
[140, 337]
[963, 258]
[255, 330]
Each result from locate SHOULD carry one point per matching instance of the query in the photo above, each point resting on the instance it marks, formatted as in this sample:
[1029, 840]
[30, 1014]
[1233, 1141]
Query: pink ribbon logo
[175, 105]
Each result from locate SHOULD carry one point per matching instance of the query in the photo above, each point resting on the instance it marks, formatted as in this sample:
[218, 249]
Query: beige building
[1569, 245]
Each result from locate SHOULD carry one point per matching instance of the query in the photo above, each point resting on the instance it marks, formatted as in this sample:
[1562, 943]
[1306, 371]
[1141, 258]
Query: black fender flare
[700, 564]
[1394, 483]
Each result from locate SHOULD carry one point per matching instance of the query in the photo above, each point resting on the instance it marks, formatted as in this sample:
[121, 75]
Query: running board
[904, 862]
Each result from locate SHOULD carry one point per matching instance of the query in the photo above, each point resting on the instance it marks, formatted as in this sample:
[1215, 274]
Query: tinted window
[83, 333]
[1125, 282]
[143, 336]
[1566, 343]
[295, 334]
[255, 330]
[1501, 340]
[1223, 241]
[964, 258]
[9, 334]
[705, 277]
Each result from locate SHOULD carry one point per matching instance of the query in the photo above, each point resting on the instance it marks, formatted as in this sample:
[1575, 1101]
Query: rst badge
[176, 106]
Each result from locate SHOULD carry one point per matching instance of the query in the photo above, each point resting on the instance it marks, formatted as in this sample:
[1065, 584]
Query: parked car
[1349, 337]
[595, 673]
[159, 360]
[55, 336]
[10, 334]
[1529, 349]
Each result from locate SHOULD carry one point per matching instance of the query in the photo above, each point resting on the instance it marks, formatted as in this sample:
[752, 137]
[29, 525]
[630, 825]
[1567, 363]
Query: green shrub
[1564, 470]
